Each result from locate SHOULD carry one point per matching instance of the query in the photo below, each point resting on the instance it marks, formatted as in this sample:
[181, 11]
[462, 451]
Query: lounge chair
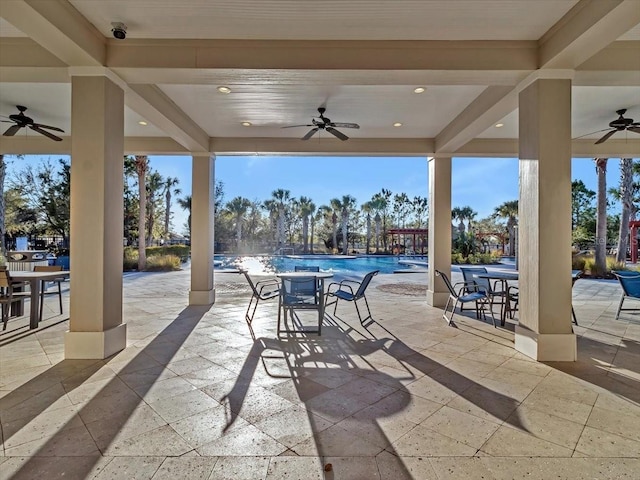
[262, 290]
[630, 283]
[344, 290]
[462, 296]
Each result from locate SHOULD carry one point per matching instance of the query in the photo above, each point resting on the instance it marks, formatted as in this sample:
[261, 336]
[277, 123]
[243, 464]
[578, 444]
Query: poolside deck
[195, 396]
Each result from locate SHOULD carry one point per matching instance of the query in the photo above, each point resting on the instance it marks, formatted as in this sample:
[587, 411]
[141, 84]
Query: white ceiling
[363, 62]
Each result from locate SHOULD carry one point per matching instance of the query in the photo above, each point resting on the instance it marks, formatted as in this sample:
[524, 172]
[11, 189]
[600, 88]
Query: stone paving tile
[193, 396]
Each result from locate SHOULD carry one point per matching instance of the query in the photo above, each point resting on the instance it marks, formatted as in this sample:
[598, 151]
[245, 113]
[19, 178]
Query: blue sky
[482, 183]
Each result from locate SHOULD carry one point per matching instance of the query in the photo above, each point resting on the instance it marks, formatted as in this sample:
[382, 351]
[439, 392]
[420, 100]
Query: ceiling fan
[20, 120]
[620, 124]
[323, 123]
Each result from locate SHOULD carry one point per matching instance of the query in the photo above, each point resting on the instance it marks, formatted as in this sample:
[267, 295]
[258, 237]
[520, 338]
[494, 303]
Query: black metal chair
[460, 297]
[344, 291]
[8, 295]
[262, 290]
[299, 293]
[483, 285]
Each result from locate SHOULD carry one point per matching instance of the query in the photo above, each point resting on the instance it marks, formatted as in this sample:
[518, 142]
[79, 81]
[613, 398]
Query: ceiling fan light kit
[323, 123]
[20, 120]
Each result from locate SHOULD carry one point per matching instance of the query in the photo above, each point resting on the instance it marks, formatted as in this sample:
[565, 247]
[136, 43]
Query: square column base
[202, 297]
[546, 347]
[437, 299]
[95, 345]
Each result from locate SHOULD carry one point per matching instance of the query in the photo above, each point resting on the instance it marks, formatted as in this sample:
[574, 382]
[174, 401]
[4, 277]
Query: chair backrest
[468, 275]
[630, 282]
[299, 290]
[47, 268]
[447, 282]
[306, 268]
[250, 282]
[5, 279]
[365, 283]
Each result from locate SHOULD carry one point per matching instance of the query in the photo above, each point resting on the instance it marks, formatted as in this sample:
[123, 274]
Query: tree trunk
[141, 169]
[3, 172]
[601, 217]
[626, 197]
[345, 221]
[313, 223]
[368, 233]
[305, 234]
[167, 215]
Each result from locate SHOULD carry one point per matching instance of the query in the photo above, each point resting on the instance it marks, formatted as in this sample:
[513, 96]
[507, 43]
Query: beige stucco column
[544, 331]
[97, 150]
[439, 229]
[202, 208]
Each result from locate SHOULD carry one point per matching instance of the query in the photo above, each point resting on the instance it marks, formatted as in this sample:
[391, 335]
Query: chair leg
[43, 287]
[620, 307]
[446, 307]
[368, 310]
[249, 318]
[60, 295]
[5, 315]
[573, 314]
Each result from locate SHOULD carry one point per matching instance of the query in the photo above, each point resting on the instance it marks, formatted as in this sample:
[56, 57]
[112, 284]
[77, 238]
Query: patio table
[504, 278]
[34, 279]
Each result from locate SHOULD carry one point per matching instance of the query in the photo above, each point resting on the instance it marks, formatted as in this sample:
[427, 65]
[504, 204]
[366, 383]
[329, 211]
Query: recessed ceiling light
[498, 125]
[419, 90]
[224, 90]
[397, 124]
[142, 122]
[246, 124]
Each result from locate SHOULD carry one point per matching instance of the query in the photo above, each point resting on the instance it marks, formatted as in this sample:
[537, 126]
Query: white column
[544, 332]
[97, 151]
[439, 229]
[202, 232]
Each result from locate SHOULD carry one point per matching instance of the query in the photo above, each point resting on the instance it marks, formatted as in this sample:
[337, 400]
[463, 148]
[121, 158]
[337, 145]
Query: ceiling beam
[325, 55]
[586, 29]
[490, 106]
[59, 28]
[152, 104]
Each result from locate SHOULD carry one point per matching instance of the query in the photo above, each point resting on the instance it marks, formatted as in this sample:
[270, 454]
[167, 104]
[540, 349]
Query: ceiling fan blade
[39, 125]
[337, 133]
[310, 134]
[606, 137]
[634, 129]
[345, 125]
[45, 133]
[11, 131]
[292, 126]
[591, 133]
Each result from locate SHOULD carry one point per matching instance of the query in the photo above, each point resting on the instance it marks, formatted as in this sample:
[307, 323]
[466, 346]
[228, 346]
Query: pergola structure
[415, 233]
[549, 73]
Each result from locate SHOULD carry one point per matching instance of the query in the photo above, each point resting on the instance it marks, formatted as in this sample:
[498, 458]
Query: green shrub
[578, 262]
[180, 251]
[130, 259]
[163, 263]
[457, 259]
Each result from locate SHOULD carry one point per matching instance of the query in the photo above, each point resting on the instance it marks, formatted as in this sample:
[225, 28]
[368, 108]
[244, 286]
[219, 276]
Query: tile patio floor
[406, 397]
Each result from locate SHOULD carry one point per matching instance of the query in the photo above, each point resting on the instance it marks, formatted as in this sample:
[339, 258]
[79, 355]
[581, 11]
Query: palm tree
[509, 210]
[336, 207]
[281, 198]
[601, 216]
[625, 195]
[382, 201]
[185, 204]
[346, 205]
[142, 165]
[155, 185]
[271, 206]
[367, 208]
[3, 172]
[379, 205]
[238, 208]
[457, 214]
[306, 208]
[324, 212]
[169, 188]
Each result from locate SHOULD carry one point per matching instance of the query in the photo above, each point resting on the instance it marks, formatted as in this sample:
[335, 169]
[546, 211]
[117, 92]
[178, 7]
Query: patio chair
[461, 297]
[630, 283]
[8, 295]
[575, 275]
[482, 285]
[43, 285]
[344, 290]
[300, 293]
[308, 288]
[262, 290]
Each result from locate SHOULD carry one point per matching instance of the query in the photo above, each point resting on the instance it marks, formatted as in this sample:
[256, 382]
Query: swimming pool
[269, 264]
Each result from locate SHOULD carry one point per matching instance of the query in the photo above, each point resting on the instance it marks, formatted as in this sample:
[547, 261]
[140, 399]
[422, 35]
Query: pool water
[269, 264]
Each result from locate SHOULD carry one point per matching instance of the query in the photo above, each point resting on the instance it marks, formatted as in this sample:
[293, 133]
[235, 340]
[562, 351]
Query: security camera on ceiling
[119, 30]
